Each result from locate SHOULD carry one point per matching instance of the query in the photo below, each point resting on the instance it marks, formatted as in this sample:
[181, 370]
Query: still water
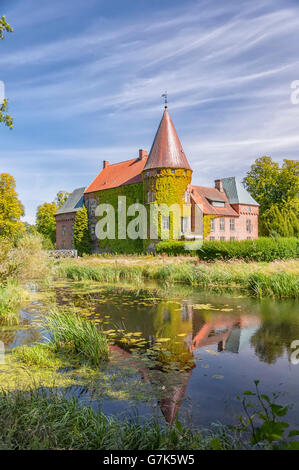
[192, 352]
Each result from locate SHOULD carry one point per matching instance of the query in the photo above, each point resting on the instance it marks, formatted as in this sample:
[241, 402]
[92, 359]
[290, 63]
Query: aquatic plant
[77, 337]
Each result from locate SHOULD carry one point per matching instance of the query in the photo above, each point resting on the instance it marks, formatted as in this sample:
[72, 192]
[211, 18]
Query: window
[63, 244]
[63, 231]
[212, 239]
[158, 172]
[248, 238]
[222, 239]
[248, 225]
[92, 212]
[186, 197]
[232, 225]
[232, 239]
[212, 224]
[218, 203]
[222, 223]
[184, 224]
[249, 208]
[165, 222]
[173, 172]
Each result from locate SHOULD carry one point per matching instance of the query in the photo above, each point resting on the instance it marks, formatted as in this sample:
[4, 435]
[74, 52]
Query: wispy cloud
[90, 87]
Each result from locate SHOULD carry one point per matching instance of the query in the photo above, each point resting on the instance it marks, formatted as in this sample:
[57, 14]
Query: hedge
[261, 249]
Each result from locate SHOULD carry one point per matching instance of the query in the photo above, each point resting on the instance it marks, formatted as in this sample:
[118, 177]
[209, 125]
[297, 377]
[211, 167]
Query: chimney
[105, 163]
[219, 185]
[142, 154]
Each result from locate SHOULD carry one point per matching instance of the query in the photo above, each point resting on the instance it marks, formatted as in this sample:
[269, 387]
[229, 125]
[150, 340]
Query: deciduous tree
[276, 189]
[11, 208]
[45, 220]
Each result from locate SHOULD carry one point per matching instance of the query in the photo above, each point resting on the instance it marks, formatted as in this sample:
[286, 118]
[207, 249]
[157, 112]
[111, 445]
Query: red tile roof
[167, 151]
[202, 196]
[118, 174]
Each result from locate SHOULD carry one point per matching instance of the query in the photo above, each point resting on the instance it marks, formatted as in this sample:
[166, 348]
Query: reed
[257, 279]
[77, 337]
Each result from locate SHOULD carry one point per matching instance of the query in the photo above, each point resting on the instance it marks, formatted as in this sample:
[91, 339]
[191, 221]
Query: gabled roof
[204, 196]
[118, 174]
[236, 193]
[73, 203]
[167, 151]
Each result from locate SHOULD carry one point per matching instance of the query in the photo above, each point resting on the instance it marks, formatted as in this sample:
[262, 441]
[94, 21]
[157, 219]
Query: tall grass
[257, 279]
[77, 337]
[11, 297]
[40, 420]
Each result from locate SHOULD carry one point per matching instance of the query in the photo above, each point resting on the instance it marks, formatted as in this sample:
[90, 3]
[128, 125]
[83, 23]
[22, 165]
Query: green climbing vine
[133, 194]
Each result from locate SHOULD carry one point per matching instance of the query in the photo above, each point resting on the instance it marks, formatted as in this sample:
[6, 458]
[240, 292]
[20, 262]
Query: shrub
[261, 249]
[173, 248]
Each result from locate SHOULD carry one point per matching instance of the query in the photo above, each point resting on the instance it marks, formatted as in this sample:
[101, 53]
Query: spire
[167, 151]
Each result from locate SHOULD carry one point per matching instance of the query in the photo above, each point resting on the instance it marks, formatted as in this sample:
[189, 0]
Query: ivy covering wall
[168, 186]
[133, 193]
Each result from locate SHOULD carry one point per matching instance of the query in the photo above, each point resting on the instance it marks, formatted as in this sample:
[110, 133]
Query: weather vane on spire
[165, 96]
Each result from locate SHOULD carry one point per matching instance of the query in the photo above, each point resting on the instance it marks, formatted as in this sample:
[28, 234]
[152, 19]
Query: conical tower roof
[167, 151]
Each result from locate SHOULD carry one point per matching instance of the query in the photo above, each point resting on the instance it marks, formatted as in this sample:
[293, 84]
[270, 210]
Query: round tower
[166, 178]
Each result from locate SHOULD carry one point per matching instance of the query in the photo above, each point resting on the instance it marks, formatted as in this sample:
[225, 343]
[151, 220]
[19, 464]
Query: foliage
[263, 420]
[30, 258]
[261, 249]
[11, 298]
[283, 221]
[11, 209]
[45, 220]
[276, 189]
[61, 198]
[68, 425]
[4, 27]
[81, 235]
[77, 337]
[26, 261]
[173, 248]
[168, 188]
[8, 266]
[4, 117]
[133, 194]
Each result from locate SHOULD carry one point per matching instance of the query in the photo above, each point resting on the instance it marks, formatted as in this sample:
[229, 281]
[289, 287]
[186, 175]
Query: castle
[162, 179]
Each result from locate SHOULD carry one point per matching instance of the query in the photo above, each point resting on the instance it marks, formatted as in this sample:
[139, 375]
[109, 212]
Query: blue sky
[84, 80]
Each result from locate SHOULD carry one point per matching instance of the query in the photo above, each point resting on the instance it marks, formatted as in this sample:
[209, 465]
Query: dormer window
[218, 203]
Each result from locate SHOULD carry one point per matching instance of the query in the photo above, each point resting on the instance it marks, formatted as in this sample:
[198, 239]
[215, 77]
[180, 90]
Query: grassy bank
[40, 420]
[276, 279]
